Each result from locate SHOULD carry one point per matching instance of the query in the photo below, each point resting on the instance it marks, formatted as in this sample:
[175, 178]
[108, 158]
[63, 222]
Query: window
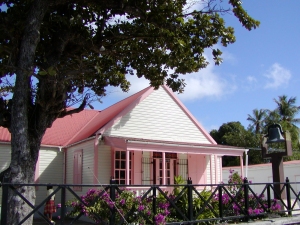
[77, 169]
[120, 167]
[170, 167]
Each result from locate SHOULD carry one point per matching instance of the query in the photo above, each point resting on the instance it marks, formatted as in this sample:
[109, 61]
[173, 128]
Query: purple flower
[141, 208]
[122, 202]
[58, 205]
[159, 219]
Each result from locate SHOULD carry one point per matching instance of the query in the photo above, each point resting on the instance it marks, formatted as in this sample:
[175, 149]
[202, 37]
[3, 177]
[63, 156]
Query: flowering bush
[130, 208]
[257, 203]
[98, 206]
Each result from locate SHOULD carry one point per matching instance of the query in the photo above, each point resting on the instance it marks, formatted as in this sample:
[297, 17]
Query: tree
[285, 115]
[57, 53]
[257, 119]
[287, 111]
[234, 134]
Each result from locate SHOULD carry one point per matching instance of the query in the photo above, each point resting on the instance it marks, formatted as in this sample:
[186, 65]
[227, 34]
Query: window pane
[117, 165]
[117, 154]
[122, 182]
[122, 174]
[123, 165]
[123, 155]
[117, 174]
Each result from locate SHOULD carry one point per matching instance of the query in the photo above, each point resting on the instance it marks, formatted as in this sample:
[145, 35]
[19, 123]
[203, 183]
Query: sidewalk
[267, 221]
[275, 221]
[58, 222]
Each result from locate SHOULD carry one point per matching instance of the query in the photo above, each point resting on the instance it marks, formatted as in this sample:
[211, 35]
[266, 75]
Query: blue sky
[261, 65]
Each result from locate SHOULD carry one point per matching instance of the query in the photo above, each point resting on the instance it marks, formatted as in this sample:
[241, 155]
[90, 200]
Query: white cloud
[204, 83]
[277, 76]
[251, 79]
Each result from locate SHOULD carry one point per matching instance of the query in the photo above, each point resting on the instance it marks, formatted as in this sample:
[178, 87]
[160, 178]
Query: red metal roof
[79, 126]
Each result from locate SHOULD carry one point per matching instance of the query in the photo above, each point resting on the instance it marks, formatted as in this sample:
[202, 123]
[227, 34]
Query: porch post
[127, 166]
[211, 170]
[242, 166]
[216, 169]
[164, 168]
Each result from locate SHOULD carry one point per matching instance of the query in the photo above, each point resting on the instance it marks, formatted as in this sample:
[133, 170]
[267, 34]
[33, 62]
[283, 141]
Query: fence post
[63, 204]
[112, 220]
[246, 198]
[190, 199]
[154, 209]
[288, 196]
[4, 201]
[269, 196]
[220, 186]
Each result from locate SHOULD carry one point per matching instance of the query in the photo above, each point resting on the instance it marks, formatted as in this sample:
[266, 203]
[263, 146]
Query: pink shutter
[77, 169]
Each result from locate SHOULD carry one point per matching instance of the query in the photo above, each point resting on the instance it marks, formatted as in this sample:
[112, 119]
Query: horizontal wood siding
[87, 166]
[208, 170]
[158, 117]
[4, 161]
[5, 156]
[104, 164]
[51, 169]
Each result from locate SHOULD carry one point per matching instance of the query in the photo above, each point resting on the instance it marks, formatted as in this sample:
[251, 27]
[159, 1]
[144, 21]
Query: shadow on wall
[51, 169]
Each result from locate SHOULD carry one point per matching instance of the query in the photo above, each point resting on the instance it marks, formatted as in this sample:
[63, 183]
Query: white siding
[87, 166]
[211, 169]
[5, 156]
[158, 117]
[4, 161]
[104, 164]
[51, 170]
[219, 169]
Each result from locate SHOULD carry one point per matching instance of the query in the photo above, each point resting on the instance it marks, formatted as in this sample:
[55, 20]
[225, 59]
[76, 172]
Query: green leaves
[83, 42]
[50, 71]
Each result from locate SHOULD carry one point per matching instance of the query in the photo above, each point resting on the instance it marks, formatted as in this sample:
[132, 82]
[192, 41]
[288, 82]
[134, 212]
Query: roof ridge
[131, 96]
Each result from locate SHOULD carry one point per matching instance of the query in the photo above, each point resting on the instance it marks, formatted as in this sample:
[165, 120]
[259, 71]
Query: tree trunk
[23, 153]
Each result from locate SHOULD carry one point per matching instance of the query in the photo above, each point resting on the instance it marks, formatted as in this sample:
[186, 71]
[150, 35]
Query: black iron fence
[224, 202]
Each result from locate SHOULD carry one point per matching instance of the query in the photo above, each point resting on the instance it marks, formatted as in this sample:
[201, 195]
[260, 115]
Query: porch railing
[220, 211]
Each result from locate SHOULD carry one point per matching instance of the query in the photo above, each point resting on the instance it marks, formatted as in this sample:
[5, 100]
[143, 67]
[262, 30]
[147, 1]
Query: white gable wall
[158, 117]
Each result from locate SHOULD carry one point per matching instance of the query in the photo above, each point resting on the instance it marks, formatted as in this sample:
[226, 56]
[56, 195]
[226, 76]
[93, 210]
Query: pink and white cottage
[147, 138]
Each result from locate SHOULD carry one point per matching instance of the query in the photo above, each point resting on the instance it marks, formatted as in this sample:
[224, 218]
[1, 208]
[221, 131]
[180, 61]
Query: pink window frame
[114, 164]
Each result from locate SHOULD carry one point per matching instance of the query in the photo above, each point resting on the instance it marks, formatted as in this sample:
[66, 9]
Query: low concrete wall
[262, 173]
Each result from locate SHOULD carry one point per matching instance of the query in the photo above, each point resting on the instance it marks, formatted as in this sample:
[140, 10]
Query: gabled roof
[79, 126]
